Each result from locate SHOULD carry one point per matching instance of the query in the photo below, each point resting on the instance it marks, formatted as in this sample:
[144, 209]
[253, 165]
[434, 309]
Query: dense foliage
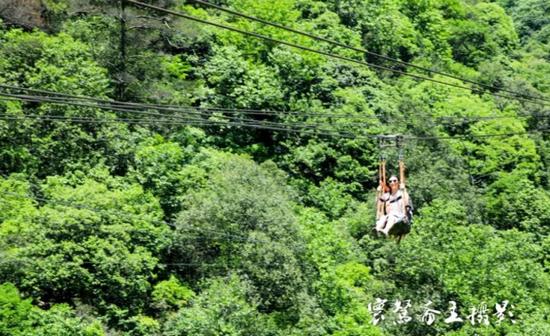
[151, 228]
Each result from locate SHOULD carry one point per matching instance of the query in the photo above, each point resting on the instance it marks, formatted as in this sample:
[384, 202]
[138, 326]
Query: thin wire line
[297, 46]
[302, 129]
[54, 100]
[42, 117]
[478, 136]
[285, 129]
[135, 109]
[406, 137]
[206, 123]
[130, 106]
[492, 117]
[361, 50]
[176, 108]
[308, 131]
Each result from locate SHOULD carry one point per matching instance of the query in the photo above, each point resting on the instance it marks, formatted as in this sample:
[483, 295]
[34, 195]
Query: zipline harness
[402, 227]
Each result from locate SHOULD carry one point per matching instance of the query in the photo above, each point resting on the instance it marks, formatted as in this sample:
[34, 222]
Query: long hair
[388, 183]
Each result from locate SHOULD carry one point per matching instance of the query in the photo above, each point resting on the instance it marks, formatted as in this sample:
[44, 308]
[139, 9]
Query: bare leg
[390, 223]
[380, 223]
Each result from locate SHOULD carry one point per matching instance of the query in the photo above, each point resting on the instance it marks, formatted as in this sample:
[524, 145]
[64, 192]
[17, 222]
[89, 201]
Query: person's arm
[379, 203]
[407, 200]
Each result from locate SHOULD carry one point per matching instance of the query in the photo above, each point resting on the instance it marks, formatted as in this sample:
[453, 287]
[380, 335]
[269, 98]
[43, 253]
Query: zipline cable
[177, 117]
[172, 123]
[351, 136]
[177, 108]
[252, 124]
[183, 113]
[302, 129]
[320, 52]
[361, 50]
[206, 123]
[118, 106]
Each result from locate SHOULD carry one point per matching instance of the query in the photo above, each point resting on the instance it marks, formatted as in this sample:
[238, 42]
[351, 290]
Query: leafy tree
[341, 283]
[19, 317]
[89, 240]
[61, 64]
[510, 205]
[529, 16]
[158, 166]
[242, 217]
[171, 294]
[238, 83]
[13, 310]
[385, 30]
[222, 307]
[489, 33]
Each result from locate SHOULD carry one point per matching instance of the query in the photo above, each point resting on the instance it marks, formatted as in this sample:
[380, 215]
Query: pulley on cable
[394, 208]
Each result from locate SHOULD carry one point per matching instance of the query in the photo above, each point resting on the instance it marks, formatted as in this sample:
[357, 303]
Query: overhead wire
[152, 122]
[458, 119]
[200, 111]
[476, 136]
[362, 50]
[254, 124]
[234, 121]
[178, 108]
[185, 114]
[274, 128]
[298, 129]
[115, 108]
[320, 52]
[93, 120]
[138, 108]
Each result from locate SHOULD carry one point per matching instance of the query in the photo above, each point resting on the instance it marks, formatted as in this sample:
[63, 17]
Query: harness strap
[395, 200]
[380, 204]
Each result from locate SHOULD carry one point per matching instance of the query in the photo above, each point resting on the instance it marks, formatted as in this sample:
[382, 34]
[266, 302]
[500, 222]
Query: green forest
[205, 168]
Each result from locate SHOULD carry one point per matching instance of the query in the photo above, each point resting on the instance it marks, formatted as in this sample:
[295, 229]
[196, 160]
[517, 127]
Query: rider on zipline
[393, 204]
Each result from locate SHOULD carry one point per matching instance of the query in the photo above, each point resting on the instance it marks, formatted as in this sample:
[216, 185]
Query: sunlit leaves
[85, 242]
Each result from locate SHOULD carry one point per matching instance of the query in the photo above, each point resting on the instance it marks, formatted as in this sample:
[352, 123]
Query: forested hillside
[217, 175]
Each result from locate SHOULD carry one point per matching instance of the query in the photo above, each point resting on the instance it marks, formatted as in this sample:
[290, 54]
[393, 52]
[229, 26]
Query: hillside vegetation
[246, 208]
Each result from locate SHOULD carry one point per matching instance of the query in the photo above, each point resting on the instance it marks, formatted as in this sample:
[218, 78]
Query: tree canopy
[164, 176]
